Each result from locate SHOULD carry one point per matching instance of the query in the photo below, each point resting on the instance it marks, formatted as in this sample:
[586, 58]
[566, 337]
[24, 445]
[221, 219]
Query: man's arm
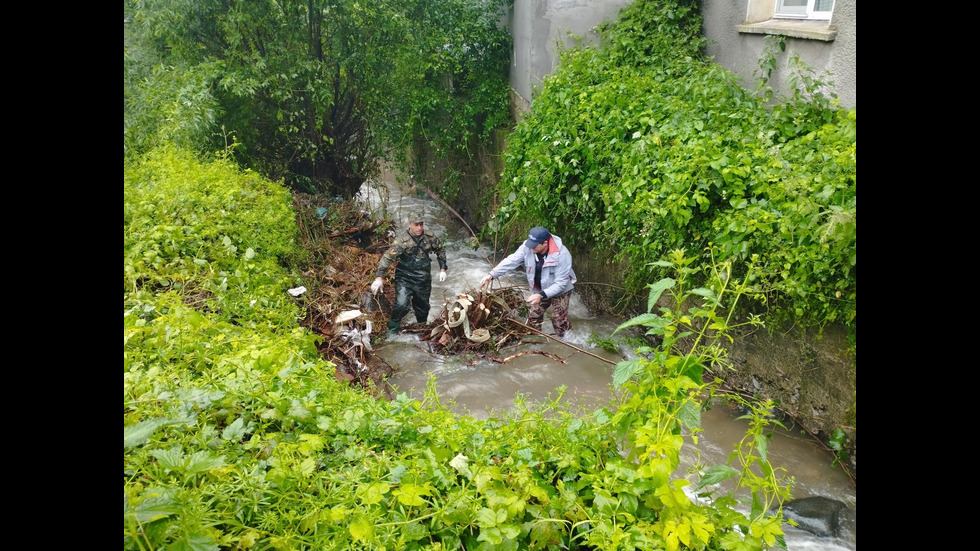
[392, 254]
[440, 253]
[512, 261]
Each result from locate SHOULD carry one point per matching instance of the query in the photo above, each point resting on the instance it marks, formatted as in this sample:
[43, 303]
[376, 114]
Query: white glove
[376, 286]
[442, 276]
[486, 279]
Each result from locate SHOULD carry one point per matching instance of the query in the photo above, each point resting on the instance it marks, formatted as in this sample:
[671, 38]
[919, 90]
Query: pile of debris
[345, 245]
[480, 325]
[475, 323]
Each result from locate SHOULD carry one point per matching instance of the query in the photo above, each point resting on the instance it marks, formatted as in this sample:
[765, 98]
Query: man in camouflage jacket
[413, 278]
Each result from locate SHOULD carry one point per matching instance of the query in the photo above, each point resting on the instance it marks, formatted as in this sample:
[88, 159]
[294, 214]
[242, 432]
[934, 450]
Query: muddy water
[483, 388]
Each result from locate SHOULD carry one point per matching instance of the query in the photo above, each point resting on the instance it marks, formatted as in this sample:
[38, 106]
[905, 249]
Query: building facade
[822, 33]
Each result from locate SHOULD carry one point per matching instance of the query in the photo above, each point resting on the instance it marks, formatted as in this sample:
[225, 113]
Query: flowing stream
[482, 388]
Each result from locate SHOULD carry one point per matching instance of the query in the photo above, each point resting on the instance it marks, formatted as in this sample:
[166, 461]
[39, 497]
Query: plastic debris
[297, 291]
[349, 315]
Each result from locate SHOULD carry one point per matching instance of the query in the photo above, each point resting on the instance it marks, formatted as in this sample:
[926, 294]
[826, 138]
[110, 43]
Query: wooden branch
[528, 327]
[542, 352]
[352, 230]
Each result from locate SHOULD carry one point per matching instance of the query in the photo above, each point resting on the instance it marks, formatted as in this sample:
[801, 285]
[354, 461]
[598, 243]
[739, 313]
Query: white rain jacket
[557, 276]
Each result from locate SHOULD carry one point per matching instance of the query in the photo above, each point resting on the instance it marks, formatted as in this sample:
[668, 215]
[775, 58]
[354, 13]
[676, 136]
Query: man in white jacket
[548, 266]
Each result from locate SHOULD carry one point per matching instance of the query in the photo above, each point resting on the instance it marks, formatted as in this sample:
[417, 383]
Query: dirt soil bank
[811, 375]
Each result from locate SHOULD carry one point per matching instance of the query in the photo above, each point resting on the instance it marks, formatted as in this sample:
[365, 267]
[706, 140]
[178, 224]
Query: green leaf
[411, 494]
[137, 434]
[757, 508]
[762, 445]
[299, 412]
[373, 492]
[169, 459]
[626, 370]
[414, 531]
[154, 508]
[362, 529]
[307, 467]
[234, 431]
[194, 542]
[690, 415]
[311, 443]
[203, 461]
[605, 503]
[488, 518]
[653, 321]
[545, 535]
[706, 293]
[657, 289]
[716, 474]
[396, 473]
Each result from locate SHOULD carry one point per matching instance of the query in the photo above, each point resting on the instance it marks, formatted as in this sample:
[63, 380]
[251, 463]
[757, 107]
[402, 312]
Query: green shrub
[645, 145]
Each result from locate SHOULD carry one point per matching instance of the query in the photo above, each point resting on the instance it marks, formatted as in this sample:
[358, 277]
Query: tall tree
[316, 91]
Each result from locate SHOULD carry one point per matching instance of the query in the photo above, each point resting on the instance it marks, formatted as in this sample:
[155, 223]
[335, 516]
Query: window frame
[801, 12]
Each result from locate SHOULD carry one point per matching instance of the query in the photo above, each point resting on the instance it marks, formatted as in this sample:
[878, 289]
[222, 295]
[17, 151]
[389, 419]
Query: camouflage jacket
[412, 254]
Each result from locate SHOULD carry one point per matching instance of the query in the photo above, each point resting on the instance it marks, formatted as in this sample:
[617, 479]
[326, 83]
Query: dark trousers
[559, 313]
[410, 294]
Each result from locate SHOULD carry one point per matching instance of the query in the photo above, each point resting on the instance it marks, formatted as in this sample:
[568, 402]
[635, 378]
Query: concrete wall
[538, 26]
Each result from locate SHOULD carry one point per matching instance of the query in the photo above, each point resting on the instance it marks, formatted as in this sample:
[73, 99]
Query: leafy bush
[645, 145]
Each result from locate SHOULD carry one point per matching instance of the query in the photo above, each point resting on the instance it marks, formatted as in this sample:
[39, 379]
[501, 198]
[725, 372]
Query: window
[804, 9]
[809, 19]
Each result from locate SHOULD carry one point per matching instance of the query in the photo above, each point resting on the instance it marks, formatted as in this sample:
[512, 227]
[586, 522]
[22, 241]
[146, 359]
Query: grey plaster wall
[740, 52]
[538, 26]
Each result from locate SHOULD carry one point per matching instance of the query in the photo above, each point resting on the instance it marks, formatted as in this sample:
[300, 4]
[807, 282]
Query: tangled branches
[476, 323]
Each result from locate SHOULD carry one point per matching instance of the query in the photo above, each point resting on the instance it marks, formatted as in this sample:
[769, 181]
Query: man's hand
[486, 279]
[534, 299]
[376, 286]
[442, 276]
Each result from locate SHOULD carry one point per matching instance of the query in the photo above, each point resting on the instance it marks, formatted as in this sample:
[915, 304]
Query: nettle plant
[645, 145]
[666, 391]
